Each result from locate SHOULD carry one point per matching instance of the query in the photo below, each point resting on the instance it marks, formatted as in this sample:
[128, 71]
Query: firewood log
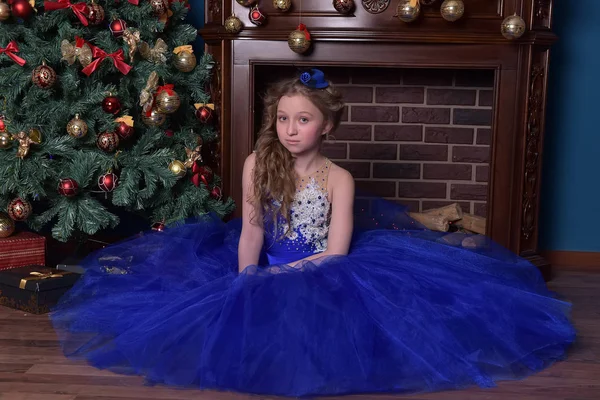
[433, 222]
[453, 212]
[472, 223]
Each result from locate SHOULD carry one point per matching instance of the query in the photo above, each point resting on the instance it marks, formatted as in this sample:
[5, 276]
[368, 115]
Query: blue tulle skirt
[406, 310]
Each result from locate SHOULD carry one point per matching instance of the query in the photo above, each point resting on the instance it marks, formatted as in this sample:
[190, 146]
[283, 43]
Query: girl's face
[300, 124]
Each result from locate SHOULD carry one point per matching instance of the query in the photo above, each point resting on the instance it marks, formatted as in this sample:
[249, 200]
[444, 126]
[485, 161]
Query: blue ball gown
[407, 310]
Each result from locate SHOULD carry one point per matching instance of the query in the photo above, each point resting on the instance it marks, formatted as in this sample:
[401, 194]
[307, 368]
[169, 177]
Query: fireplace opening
[420, 137]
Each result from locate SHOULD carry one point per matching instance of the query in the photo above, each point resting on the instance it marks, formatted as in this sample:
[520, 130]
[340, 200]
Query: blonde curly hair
[274, 176]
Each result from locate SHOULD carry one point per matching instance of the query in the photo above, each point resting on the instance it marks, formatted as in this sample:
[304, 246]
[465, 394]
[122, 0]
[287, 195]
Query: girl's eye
[304, 120]
[282, 119]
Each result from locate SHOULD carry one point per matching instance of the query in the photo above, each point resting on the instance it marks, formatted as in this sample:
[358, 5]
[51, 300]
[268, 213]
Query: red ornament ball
[108, 182]
[68, 187]
[95, 14]
[256, 16]
[21, 9]
[43, 76]
[216, 193]
[2, 125]
[158, 226]
[111, 105]
[169, 132]
[343, 6]
[125, 131]
[107, 141]
[117, 27]
[19, 209]
[204, 114]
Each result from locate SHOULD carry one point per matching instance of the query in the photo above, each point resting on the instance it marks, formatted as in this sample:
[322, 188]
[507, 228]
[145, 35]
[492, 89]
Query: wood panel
[574, 259]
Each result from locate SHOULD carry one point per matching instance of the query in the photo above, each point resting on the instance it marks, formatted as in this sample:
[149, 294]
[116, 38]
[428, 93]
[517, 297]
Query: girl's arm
[252, 236]
[342, 214]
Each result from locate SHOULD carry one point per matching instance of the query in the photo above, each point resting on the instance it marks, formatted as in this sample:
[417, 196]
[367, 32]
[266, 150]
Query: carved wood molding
[214, 32]
[542, 8]
[375, 6]
[535, 109]
[214, 7]
[215, 89]
[541, 13]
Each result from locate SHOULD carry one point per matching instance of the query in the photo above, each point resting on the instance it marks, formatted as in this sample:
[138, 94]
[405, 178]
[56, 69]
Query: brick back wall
[419, 137]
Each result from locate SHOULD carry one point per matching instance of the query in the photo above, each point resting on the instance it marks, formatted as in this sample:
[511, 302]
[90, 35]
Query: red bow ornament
[10, 51]
[80, 9]
[79, 42]
[201, 174]
[166, 88]
[100, 55]
[302, 28]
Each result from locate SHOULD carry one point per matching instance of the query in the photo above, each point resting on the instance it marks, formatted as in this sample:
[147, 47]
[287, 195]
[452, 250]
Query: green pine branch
[146, 185]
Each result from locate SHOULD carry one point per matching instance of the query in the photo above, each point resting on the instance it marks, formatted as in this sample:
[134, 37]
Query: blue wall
[570, 211]
[196, 18]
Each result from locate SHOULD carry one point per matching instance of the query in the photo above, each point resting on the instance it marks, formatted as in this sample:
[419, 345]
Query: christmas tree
[103, 105]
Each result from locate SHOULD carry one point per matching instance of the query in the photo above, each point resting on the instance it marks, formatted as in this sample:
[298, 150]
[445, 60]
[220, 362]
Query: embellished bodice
[308, 228]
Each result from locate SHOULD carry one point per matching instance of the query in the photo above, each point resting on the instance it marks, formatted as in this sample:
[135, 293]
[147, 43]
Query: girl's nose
[292, 129]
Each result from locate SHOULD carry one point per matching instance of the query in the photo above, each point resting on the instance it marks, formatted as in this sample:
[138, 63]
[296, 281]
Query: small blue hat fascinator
[314, 79]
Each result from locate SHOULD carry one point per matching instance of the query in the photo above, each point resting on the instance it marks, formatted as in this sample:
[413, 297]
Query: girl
[309, 297]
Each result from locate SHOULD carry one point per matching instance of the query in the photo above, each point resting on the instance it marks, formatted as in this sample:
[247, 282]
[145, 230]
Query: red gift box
[21, 249]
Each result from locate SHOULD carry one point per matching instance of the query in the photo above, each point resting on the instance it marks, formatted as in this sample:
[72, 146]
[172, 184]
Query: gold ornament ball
[298, 42]
[35, 135]
[7, 225]
[167, 103]
[407, 12]
[185, 61]
[4, 11]
[513, 27]
[233, 24]
[77, 127]
[452, 10]
[177, 168]
[282, 5]
[154, 119]
[5, 140]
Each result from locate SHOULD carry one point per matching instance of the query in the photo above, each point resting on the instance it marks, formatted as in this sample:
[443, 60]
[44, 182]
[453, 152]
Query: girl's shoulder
[250, 161]
[340, 178]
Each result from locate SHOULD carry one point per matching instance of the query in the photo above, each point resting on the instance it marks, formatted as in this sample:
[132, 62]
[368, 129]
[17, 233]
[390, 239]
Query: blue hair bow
[315, 79]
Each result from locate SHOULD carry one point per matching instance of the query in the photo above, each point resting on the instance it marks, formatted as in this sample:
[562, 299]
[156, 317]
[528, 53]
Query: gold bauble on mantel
[282, 5]
[299, 40]
[452, 10]
[408, 10]
[513, 27]
[233, 24]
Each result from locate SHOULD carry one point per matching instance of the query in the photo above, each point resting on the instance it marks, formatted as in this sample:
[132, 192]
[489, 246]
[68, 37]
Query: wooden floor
[33, 368]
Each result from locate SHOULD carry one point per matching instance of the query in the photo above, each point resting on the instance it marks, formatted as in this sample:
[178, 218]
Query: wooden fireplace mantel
[381, 40]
